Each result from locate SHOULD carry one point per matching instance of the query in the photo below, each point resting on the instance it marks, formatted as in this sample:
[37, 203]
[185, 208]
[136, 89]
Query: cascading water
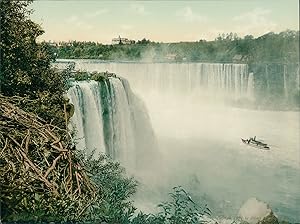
[110, 119]
[204, 80]
[285, 81]
[199, 141]
[298, 79]
[88, 116]
[209, 81]
[271, 86]
[250, 87]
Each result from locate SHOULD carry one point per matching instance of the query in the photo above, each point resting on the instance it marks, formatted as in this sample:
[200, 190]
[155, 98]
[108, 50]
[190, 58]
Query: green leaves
[273, 47]
[25, 65]
[181, 209]
[112, 203]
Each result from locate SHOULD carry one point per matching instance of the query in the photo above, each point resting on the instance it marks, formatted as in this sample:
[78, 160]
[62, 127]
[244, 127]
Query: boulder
[270, 219]
[254, 211]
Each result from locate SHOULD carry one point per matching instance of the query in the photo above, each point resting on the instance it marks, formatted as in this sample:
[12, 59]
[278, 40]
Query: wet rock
[254, 211]
[270, 219]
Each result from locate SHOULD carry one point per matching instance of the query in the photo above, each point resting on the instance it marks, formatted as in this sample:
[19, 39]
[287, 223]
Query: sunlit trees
[271, 47]
[25, 64]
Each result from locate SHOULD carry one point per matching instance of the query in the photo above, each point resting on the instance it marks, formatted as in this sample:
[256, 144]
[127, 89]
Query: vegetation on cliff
[43, 177]
[40, 174]
[272, 47]
[25, 64]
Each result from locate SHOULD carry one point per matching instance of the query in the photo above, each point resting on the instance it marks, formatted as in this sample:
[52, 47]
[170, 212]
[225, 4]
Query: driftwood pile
[36, 156]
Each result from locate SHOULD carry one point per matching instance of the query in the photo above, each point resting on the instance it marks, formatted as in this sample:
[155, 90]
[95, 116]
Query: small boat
[254, 143]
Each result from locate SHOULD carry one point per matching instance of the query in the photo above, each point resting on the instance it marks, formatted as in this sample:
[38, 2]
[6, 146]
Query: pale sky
[162, 21]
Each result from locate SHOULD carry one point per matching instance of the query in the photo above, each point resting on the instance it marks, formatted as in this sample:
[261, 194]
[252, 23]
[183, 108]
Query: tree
[34, 188]
[144, 41]
[26, 65]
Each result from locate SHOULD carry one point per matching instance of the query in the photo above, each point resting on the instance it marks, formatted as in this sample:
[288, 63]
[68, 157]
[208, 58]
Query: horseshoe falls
[110, 119]
[199, 113]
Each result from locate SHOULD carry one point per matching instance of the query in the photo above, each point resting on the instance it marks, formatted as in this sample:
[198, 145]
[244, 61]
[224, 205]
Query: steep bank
[38, 168]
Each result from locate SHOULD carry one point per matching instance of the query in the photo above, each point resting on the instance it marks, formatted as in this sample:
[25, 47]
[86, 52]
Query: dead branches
[33, 151]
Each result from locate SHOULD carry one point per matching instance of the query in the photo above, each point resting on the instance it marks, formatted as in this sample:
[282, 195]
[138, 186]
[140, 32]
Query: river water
[199, 138]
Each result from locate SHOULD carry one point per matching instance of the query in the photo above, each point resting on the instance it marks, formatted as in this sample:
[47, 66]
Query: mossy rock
[270, 219]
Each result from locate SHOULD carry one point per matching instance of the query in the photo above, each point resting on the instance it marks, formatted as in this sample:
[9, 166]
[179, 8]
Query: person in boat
[254, 140]
[250, 139]
[258, 142]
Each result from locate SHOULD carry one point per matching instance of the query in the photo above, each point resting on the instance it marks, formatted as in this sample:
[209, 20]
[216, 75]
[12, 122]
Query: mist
[200, 150]
[199, 112]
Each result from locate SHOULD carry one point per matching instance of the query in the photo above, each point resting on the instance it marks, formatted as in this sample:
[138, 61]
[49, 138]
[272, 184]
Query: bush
[181, 209]
[112, 203]
[81, 75]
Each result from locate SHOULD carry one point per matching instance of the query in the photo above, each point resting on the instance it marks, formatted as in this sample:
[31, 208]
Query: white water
[285, 81]
[88, 116]
[250, 87]
[197, 80]
[124, 133]
[199, 138]
[123, 121]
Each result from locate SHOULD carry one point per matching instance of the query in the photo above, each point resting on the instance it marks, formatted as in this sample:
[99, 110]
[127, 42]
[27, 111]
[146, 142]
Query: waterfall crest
[262, 85]
[110, 119]
[202, 80]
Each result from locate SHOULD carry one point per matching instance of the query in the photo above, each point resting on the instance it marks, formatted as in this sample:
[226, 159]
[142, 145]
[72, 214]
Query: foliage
[25, 65]
[44, 179]
[271, 47]
[81, 75]
[181, 209]
[112, 203]
[97, 76]
[41, 178]
[144, 41]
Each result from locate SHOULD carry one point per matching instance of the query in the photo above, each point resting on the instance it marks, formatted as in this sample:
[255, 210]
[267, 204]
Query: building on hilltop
[120, 40]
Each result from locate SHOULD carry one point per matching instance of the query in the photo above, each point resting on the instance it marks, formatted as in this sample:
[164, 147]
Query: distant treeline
[272, 47]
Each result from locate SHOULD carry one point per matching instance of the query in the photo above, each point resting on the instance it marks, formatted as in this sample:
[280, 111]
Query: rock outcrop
[254, 211]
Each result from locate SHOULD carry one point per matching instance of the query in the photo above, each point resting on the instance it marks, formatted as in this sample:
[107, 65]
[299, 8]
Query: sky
[162, 21]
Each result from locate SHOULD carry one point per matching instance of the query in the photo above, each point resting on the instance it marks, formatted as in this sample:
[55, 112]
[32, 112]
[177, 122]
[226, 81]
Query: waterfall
[215, 82]
[88, 116]
[267, 78]
[285, 81]
[298, 79]
[265, 85]
[124, 144]
[110, 119]
[201, 80]
[250, 87]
